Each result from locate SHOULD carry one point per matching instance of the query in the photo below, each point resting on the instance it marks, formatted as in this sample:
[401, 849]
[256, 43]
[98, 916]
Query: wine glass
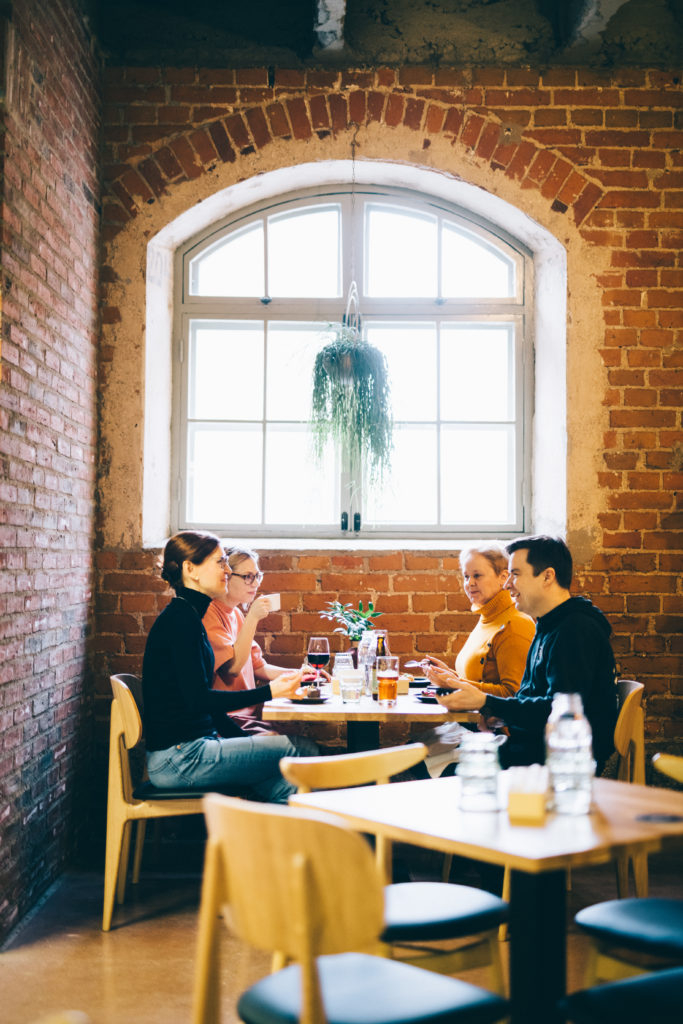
[318, 654]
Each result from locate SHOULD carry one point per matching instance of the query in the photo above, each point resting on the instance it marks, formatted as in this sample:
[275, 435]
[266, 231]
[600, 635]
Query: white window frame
[517, 310]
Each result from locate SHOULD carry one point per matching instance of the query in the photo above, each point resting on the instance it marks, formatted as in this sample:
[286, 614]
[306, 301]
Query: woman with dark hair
[182, 713]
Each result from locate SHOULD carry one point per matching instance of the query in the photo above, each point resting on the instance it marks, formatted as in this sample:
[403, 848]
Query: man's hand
[465, 696]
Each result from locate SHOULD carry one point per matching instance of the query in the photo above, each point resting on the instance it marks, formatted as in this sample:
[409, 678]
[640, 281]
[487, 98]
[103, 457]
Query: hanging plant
[351, 402]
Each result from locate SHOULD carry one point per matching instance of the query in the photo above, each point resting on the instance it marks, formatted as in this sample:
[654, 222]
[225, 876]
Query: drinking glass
[366, 658]
[351, 685]
[387, 680]
[318, 654]
[342, 662]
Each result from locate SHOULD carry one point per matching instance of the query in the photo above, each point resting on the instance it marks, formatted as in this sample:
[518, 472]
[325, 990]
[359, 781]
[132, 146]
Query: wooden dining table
[363, 720]
[625, 818]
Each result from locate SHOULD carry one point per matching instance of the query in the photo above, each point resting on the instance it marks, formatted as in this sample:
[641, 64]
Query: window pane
[299, 492]
[303, 253]
[292, 349]
[411, 357]
[472, 269]
[224, 473]
[400, 253]
[408, 493]
[477, 372]
[477, 468]
[226, 370]
[232, 267]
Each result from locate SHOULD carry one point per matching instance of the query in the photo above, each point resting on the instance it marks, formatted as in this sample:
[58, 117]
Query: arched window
[443, 294]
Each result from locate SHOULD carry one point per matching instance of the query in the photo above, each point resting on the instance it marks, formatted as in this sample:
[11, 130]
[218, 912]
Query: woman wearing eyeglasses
[183, 713]
[240, 664]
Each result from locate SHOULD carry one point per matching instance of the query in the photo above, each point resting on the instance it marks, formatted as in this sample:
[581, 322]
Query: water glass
[366, 658]
[387, 680]
[342, 662]
[351, 686]
[478, 770]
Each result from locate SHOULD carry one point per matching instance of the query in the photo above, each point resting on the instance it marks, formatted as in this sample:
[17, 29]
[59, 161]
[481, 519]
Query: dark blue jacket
[570, 653]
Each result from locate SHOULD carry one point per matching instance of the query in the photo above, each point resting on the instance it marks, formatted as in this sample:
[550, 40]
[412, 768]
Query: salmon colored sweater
[494, 654]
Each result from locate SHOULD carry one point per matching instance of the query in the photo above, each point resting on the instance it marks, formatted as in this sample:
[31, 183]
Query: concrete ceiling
[599, 33]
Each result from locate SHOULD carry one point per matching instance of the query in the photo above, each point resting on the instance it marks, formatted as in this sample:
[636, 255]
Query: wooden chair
[629, 743]
[301, 882]
[631, 936]
[669, 764]
[652, 997]
[416, 913]
[127, 803]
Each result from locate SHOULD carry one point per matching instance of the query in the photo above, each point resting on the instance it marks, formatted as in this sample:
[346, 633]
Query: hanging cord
[352, 317]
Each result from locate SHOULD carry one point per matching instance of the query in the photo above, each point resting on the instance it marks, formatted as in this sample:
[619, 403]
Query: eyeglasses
[249, 577]
[224, 562]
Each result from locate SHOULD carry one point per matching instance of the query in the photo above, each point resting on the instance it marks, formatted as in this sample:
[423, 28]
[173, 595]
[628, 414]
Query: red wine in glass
[318, 653]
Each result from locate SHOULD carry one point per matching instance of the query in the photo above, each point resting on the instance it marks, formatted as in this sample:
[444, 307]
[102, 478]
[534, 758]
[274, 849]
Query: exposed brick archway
[186, 155]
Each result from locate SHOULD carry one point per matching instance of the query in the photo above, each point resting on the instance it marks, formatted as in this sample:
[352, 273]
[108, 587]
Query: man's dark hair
[546, 553]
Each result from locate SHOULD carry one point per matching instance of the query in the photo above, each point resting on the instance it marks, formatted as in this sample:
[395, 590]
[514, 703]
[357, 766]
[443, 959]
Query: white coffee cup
[274, 600]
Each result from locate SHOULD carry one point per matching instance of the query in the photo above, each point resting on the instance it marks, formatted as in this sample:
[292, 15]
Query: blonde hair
[494, 553]
[236, 556]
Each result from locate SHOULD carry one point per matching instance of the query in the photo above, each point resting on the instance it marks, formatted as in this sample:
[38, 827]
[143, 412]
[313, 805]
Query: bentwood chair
[126, 802]
[417, 914]
[629, 743]
[302, 882]
[669, 764]
[655, 998]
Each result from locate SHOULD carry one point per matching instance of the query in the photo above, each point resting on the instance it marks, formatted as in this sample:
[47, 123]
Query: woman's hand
[441, 675]
[465, 696]
[258, 609]
[286, 684]
[430, 662]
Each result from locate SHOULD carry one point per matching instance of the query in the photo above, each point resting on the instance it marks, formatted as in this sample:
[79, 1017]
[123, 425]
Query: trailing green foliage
[351, 401]
[354, 621]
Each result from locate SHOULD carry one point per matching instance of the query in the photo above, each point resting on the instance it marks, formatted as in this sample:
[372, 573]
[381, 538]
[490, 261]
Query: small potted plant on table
[353, 621]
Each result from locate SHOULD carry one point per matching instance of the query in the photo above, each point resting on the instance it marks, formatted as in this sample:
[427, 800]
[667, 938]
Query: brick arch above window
[171, 160]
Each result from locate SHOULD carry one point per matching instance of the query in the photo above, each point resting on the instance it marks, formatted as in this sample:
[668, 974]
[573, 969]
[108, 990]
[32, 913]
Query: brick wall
[50, 196]
[601, 149]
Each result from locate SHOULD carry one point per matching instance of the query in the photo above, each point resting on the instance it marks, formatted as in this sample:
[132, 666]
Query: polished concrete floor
[142, 971]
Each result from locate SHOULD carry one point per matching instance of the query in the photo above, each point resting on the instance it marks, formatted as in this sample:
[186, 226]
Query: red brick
[298, 116]
[279, 124]
[258, 127]
[393, 114]
[357, 107]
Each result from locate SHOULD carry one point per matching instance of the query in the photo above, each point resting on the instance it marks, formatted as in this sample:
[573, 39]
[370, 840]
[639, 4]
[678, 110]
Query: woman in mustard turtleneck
[494, 654]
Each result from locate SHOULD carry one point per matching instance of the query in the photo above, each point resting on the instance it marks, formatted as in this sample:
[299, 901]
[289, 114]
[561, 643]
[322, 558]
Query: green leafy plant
[354, 621]
[351, 401]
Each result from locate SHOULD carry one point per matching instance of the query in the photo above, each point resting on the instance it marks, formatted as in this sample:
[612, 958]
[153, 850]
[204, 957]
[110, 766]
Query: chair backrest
[124, 734]
[629, 732]
[123, 688]
[669, 764]
[318, 890]
[341, 770]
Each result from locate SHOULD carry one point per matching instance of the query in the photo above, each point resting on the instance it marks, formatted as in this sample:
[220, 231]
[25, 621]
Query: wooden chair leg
[123, 863]
[496, 968]
[621, 868]
[641, 874]
[112, 860]
[503, 928]
[139, 844]
[206, 1006]
[447, 865]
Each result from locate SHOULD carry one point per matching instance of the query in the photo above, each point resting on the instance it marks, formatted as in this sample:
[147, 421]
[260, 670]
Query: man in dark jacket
[570, 653]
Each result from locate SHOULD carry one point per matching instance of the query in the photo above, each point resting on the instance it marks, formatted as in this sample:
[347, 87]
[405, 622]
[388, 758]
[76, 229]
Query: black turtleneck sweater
[177, 673]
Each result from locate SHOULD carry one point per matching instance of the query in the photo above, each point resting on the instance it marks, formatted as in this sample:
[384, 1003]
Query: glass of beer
[387, 680]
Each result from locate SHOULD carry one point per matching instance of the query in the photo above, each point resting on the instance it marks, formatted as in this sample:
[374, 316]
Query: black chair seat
[425, 911]
[360, 989]
[647, 999]
[646, 925]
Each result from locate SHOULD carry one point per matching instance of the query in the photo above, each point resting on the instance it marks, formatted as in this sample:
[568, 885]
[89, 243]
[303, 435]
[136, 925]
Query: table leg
[538, 948]
[362, 736]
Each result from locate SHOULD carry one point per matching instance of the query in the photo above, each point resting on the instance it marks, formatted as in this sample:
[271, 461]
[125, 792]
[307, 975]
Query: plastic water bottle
[569, 754]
